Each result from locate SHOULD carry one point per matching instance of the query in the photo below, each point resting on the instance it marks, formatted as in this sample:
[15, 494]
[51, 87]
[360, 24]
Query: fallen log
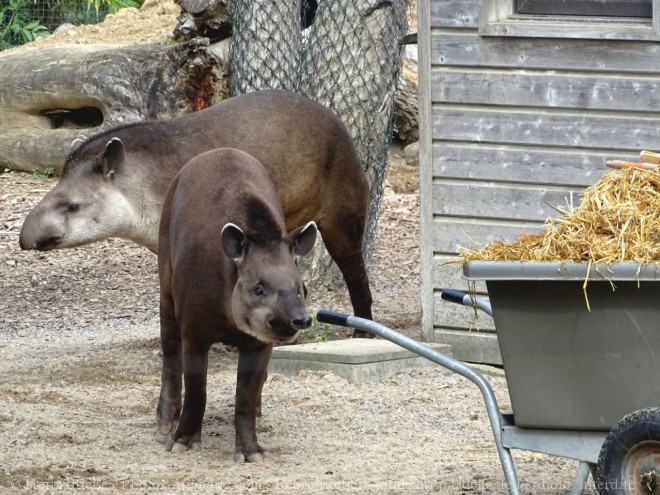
[52, 96]
[205, 18]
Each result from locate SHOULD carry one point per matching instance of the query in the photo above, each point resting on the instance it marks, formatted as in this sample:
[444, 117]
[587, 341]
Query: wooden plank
[447, 274]
[613, 131]
[457, 317]
[455, 14]
[449, 315]
[545, 89]
[425, 167]
[557, 27]
[451, 234]
[452, 315]
[500, 201]
[469, 49]
[493, 11]
[471, 347]
[567, 167]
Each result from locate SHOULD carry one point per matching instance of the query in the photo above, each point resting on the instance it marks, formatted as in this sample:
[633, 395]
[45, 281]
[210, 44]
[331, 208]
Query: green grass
[318, 332]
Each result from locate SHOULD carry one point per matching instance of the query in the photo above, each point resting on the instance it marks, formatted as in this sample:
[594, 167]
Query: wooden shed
[521, 104]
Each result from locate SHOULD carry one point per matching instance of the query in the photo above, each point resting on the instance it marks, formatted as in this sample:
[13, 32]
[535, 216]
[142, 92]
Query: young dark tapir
[113, 184]
[228, 273]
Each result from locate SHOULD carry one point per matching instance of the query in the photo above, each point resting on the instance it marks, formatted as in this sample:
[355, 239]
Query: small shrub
[17, 26]
[44, 174]
[22, 21]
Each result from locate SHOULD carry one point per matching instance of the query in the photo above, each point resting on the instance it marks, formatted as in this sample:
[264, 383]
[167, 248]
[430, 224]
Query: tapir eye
[258, 291]
[72, 208]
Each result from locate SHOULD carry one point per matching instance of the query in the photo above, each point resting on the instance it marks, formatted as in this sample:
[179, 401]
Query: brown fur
[208, 272]
[305, 148]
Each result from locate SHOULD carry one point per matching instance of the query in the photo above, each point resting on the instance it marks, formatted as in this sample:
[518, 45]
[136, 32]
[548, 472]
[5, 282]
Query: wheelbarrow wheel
[629, 460]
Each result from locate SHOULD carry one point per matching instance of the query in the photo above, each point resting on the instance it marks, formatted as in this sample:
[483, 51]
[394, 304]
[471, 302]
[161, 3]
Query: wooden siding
[515, 128]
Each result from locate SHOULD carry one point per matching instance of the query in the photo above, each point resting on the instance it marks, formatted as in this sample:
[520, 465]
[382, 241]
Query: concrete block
[356, 360]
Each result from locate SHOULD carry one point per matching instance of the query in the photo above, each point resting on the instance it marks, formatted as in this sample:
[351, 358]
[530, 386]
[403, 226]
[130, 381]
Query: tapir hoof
[184, 445]
[166, 427]
[254, 457]
[167, 416]
[361, 334]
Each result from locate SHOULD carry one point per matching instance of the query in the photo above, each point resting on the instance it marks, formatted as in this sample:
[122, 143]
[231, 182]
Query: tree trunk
[205, 18]
[52, 96]
[266, 45]
[406, 123]
[351, 66]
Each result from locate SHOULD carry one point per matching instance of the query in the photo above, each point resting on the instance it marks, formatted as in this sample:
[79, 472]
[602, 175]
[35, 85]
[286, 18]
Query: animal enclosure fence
[344, 54]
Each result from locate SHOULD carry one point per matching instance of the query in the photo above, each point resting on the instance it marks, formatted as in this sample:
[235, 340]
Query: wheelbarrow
[623, 459]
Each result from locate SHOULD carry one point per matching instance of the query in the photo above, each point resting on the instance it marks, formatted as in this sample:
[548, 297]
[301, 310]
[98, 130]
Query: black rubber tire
[629, 460]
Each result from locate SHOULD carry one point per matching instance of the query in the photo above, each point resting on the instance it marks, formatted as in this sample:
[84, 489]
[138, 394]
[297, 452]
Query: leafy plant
[44, 174]
[16, 25]
[22, 21]
[318, 332]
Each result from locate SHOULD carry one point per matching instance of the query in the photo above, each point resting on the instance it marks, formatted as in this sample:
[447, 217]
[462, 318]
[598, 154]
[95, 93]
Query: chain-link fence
[343, 54]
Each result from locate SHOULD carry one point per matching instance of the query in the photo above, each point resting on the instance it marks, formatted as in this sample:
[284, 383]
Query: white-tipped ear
[304, 238]
[110, 160]
[233, 241]
[75, 144]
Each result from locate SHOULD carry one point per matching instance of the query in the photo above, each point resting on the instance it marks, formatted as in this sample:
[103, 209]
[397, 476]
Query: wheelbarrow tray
[570, 364]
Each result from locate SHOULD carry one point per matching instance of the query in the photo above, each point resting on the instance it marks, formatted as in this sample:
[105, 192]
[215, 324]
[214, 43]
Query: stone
[356, 360]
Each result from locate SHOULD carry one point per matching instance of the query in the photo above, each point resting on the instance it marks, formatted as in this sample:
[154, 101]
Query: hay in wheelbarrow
[617, 220]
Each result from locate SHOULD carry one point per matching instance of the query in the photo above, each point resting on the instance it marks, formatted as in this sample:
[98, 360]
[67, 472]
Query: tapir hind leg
[251, 375]
[343, 240]
[169, 402]
[188, 434]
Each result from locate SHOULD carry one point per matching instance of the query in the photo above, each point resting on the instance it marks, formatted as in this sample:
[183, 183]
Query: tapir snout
[288, 325]
[51, 229]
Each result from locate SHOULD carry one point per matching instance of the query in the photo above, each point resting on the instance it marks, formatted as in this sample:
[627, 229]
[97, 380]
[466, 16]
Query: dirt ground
[80, 376]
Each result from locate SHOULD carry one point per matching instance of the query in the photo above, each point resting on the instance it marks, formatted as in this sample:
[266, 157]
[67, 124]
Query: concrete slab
[356, 360]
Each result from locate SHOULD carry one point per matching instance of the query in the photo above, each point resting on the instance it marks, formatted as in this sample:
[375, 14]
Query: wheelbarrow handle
[332, 317]
[453, 295]
[459, 297]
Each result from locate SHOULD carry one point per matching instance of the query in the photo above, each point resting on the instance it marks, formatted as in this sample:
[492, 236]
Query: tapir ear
[109, 162]
[233, 241]
[304, 238]
[75, 144]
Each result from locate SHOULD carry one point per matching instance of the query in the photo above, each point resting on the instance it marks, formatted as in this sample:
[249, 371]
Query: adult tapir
[113, 184]
[228, 273]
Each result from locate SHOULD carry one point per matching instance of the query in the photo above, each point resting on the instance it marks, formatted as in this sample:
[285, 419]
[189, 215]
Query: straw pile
[617, 220]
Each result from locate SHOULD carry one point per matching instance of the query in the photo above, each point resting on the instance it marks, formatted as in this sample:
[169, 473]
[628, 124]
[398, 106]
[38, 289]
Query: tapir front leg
[169, 402]
[252, 370]
[188, 434]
